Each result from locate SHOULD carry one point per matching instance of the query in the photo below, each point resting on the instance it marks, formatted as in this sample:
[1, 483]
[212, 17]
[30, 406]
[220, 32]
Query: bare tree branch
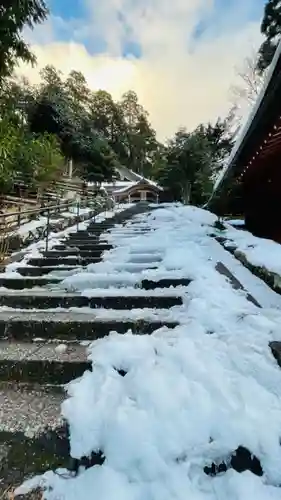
[250, 82]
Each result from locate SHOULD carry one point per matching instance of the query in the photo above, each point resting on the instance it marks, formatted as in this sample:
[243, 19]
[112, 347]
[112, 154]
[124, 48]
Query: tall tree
[220, 140]
[186, 168]
[14, 16]
[16, 96]
[140, 137]
[77, 88]
[36, 160]
[271, 29]
[51, 111]
[108, 120]
[62, 108]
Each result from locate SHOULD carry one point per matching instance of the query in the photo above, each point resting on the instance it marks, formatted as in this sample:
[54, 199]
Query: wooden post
[70, 168]
[19, 216]
[78, 214]
[47, 229]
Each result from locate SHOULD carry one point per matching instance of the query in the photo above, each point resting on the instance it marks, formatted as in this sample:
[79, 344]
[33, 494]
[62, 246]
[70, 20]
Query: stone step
[83, 241]
[69, 326]
[33, 282]
[53, 299]
[29, 408]
[109, 221]
[128, 232]
[94, 229]
[27, 282]
[84, 247]
[275, 347]
[131, 267]
[40, 271]
[41, 363]
[33, 436]
[164, 283]
[94, 226]
[73, 252]
[58, 261]
[93, 242]
[85, 236]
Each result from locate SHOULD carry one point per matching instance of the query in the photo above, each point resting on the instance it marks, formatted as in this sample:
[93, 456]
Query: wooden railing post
[47, 230]
[78, 214]
[19, 216]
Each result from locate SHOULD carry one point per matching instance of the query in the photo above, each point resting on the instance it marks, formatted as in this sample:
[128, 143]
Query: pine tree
[271, 29]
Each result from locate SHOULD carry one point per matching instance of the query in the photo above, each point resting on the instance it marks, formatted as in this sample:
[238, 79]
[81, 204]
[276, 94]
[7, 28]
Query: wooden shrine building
[251, 182]
[143, 190]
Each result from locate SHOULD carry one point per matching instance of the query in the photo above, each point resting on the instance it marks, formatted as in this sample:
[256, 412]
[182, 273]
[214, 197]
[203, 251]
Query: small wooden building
[251, 182]
[143, 190]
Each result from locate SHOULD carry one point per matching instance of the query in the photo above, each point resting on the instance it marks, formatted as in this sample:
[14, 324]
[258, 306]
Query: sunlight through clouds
[180, 79]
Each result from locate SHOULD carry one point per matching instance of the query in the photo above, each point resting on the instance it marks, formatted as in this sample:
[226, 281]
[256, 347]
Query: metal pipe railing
[21, 218]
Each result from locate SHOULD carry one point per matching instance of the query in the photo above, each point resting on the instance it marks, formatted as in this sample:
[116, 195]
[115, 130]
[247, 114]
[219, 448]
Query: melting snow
[162, 407]
[259, 251]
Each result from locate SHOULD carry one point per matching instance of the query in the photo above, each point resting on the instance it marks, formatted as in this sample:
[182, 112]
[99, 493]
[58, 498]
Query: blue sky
[75, 12]
[68, 9]
[180, 56]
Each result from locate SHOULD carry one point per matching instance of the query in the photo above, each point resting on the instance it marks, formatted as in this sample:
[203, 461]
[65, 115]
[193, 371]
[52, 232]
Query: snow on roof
[244, 130]
[125, 188]
[133, 176]
[136, 184]
[116, 183]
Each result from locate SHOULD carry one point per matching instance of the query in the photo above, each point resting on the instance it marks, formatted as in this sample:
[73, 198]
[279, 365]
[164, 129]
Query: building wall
[262, 199]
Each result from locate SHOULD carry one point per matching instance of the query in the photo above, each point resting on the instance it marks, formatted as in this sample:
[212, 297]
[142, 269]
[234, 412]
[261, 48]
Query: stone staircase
[43, 343]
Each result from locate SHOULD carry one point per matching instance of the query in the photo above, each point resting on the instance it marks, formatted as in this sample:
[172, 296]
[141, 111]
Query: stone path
[45, 333]
[33, 362]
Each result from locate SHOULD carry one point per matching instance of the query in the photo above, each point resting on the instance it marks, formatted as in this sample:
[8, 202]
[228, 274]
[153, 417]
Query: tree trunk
[186, 191]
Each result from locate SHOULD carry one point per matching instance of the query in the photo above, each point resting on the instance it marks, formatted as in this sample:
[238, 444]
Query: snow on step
[57, 363]
[43, 270]
[68, 260]
[83, 244]
[77, 326]
[182, 399]
[86, 280]
[82, 281]
[128, 267]
[142, 258]
[75, 251]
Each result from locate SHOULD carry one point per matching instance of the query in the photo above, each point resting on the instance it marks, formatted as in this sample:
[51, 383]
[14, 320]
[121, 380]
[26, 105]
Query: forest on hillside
[43, 127]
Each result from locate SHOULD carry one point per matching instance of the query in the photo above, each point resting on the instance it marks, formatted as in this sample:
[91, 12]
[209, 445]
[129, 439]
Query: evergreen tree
[220, 141]
[185, 169]
[63, 109]
[139, 138]
[271, 29]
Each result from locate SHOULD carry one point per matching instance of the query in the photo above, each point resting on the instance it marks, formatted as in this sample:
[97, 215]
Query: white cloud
[181, 83]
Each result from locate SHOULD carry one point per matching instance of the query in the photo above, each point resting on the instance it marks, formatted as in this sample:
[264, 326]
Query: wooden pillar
[70, 168]
[143, 195]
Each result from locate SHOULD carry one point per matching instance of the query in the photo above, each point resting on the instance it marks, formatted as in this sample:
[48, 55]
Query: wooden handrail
[32, 211]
